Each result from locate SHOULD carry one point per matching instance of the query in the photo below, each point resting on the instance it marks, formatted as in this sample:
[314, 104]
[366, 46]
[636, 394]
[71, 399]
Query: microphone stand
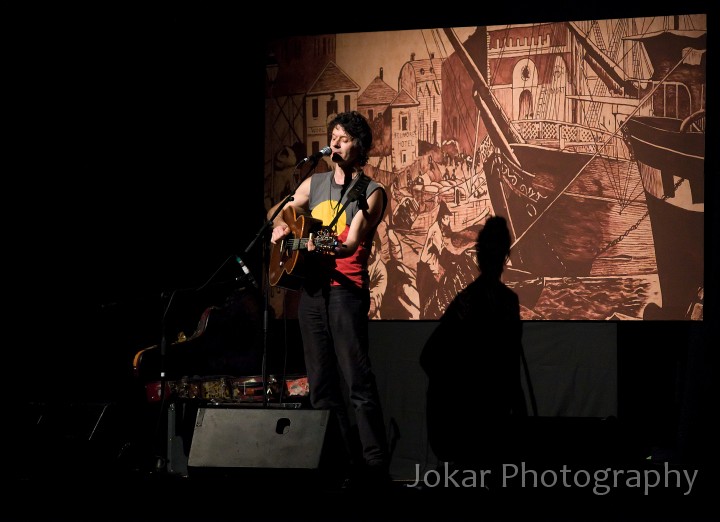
[266, 283]
[166, 460]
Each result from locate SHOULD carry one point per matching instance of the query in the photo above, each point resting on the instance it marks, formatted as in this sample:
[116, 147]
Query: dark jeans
[334, 327]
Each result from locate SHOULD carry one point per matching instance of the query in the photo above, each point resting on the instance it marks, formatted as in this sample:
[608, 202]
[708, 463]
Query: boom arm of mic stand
[281, 206]
[269, 222]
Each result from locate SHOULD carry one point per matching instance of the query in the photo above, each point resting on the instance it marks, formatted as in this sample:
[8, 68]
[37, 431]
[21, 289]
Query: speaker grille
[258, 438]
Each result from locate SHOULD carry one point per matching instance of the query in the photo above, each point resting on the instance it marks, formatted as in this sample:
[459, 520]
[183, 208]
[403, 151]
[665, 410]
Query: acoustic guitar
[286, 257]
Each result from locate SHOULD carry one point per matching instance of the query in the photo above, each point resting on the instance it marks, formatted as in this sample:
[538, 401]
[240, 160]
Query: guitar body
[286, 260]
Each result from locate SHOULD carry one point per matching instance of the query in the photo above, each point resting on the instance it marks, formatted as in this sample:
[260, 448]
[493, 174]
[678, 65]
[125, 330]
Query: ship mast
[498, 126]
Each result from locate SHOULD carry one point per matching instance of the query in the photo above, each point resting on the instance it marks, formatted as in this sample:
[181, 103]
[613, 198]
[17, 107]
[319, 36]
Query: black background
[142, 175]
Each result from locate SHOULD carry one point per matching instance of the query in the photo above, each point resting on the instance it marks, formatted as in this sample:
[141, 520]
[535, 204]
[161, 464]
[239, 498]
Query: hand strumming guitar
[279, 231]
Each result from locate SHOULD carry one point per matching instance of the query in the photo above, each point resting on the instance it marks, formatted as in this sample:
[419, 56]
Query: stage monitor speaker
[258, 438]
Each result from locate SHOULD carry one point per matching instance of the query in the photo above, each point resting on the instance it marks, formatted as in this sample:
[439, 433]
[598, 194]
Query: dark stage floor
[261, 497]
[88, 463]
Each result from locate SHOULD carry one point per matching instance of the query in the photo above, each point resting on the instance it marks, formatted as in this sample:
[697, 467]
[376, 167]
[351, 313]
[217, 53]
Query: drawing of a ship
[667, 139]
[569, 190]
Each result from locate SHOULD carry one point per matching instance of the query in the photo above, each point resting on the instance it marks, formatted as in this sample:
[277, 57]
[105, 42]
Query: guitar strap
[355, 191]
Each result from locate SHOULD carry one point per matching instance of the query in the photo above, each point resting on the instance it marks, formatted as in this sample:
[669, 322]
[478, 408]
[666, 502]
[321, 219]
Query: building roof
[332, 79]
[404, 99]
[377, 93]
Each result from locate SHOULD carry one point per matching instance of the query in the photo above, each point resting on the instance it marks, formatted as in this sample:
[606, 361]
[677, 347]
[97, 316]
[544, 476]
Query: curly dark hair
[358, 127]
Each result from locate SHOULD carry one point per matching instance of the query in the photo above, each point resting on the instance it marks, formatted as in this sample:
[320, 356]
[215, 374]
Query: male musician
[335, 298]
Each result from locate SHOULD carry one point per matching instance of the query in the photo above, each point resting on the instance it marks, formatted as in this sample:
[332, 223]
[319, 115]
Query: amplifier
[258, 438]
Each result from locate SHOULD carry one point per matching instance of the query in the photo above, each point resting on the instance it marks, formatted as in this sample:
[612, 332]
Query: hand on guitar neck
[323, 241]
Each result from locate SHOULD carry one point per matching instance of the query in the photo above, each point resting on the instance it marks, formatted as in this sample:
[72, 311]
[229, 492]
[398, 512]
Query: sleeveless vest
[325, 204]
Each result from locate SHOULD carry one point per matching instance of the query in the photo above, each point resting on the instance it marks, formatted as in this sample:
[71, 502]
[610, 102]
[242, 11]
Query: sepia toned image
[587, 136]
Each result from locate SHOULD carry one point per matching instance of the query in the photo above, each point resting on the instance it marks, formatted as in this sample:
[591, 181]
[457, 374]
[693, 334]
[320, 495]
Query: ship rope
[599, 146]
[604, 144]
[634, 226]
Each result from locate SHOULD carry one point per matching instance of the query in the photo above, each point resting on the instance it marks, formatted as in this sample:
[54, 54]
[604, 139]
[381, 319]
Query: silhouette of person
[473, 363]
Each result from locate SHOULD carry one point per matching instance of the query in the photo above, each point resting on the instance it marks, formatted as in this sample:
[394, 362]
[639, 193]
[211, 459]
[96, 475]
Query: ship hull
[671, 165]
[558, 209]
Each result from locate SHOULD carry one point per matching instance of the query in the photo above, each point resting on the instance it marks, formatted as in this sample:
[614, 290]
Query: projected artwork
[588, 136]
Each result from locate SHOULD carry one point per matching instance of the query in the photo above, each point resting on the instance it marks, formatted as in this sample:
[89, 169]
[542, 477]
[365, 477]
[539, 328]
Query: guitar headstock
[325, 241]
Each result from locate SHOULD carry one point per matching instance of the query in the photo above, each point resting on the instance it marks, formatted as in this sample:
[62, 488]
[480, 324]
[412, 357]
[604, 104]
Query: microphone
[325, 151]
[246, 270]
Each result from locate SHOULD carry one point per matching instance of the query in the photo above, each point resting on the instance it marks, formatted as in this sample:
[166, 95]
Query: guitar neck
[299, 243]
[324, 242]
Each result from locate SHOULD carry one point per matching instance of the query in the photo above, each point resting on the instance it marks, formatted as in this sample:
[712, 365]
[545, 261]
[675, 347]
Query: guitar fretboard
[296, 243]
[323, 243]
